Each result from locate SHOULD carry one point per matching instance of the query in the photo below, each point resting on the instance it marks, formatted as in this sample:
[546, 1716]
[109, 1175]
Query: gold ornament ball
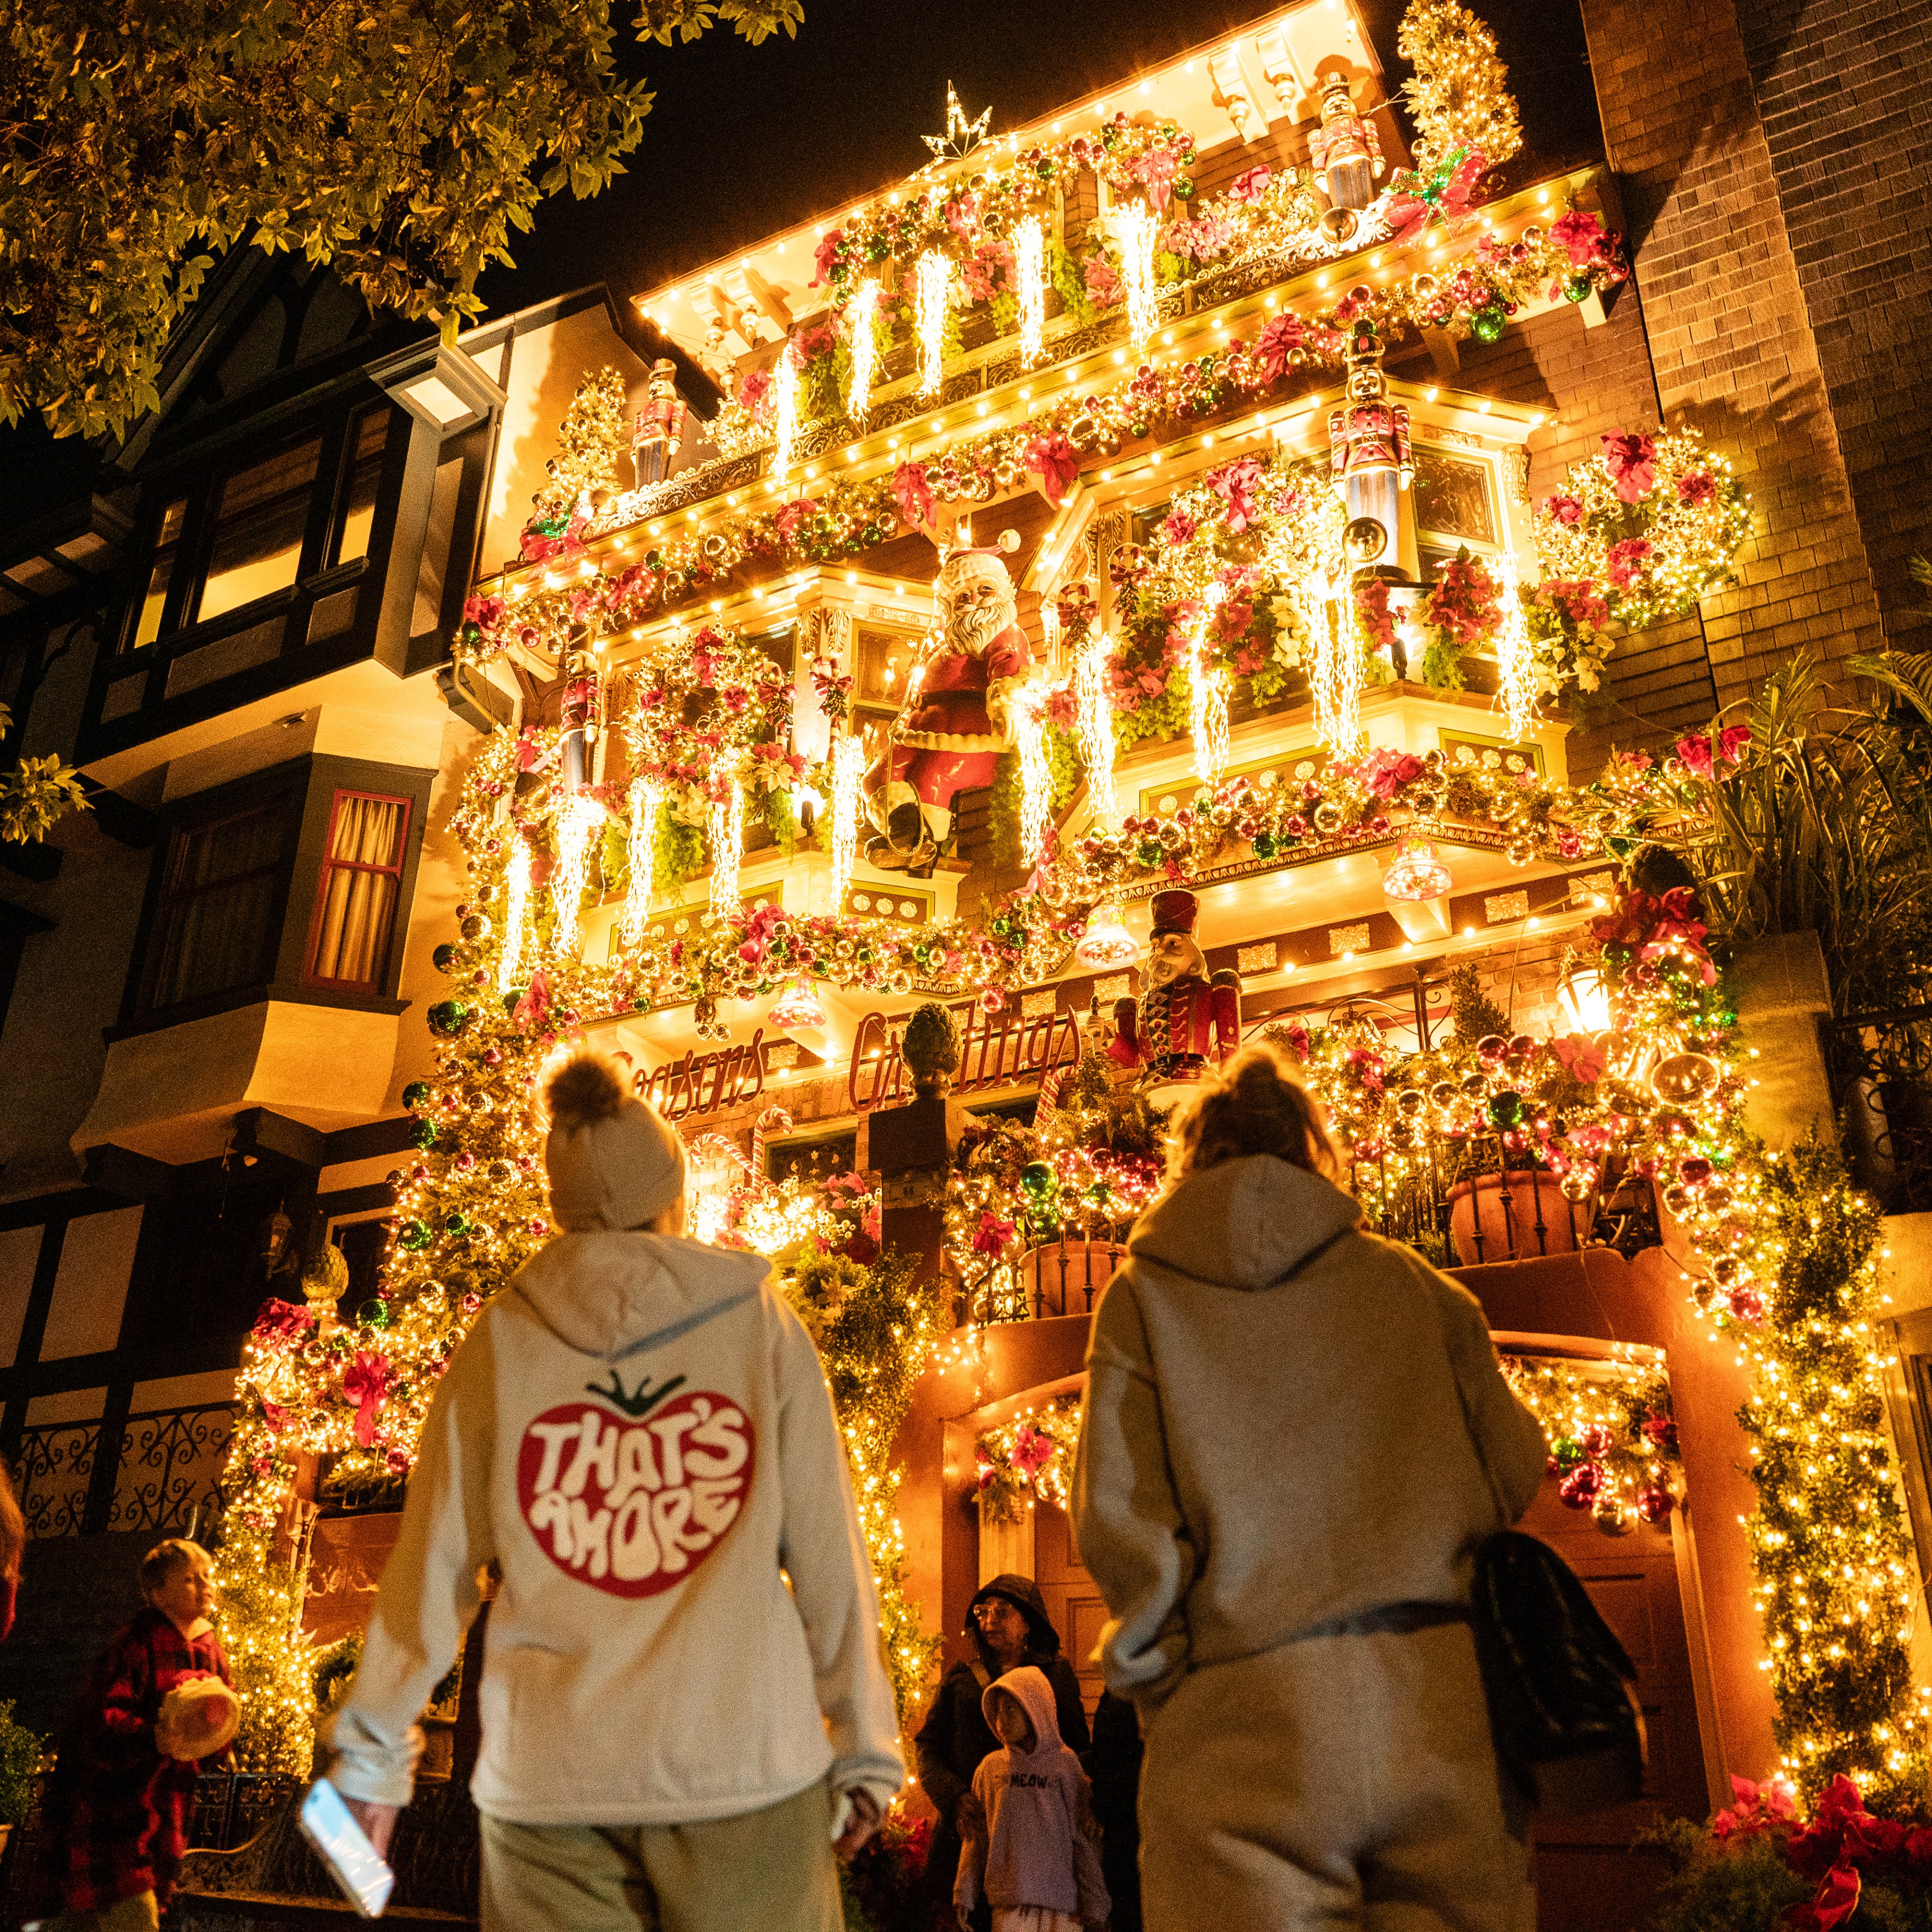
[1364, 540]
[1575, 1186]
[1532, 236]
[1338, 224]
[1612, 1518]
[1445, 1094]
[1328, 818]
[1409, 1103]
[1423, 287]
[1519, 852]
[474, 927]
[1685, 1077]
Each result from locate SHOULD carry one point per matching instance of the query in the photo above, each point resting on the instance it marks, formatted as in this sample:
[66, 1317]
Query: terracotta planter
[1066, 1278]
[1486, 1227]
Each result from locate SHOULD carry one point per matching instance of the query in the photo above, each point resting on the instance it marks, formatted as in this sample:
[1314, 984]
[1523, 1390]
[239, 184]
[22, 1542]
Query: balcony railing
[1880, 1066]
[165, 1476]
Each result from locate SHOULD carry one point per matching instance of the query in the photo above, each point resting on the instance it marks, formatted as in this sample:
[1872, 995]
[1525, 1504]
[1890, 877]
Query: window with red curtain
[361, 882]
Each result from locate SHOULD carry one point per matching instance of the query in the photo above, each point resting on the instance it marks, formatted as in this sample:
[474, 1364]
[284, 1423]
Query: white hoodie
[639, 1432]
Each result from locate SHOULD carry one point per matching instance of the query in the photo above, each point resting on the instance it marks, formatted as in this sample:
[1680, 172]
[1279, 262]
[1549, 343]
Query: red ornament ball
[1578, 1490]
[1598, 1441]
[1694, 1170]
[538, 1226]
[1654, 1503]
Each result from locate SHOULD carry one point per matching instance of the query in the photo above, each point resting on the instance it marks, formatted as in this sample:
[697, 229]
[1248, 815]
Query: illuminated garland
[842, 520]
[1612, 1439]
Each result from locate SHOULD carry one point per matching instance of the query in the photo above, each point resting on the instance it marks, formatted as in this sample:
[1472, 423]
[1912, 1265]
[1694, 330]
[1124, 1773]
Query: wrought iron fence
[230, 1806]
[1880, 1067]
[166, 1473]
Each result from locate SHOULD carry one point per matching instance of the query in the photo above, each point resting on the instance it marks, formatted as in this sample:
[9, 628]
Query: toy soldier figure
[957, 718]
[1369, 458]
[1185, 1019]
[1344, 150]
[659, 428]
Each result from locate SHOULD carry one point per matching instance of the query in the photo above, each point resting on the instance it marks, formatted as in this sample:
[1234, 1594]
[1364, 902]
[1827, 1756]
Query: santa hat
[1174, 912]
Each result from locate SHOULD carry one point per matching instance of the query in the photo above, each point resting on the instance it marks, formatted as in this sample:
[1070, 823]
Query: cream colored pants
[763, 1871]
[1340, 1782]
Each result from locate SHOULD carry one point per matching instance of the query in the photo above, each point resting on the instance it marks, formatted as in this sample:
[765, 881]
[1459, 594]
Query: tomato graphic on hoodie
[633, 1503]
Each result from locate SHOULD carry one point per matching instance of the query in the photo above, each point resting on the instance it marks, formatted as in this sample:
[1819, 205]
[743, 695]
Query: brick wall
[1842, 98]
[1730, 340]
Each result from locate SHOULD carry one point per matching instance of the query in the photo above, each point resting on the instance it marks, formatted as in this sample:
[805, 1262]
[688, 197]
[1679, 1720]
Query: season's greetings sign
[630, 1505]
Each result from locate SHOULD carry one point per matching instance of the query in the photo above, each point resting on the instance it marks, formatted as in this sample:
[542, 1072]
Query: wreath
[1026, 1460]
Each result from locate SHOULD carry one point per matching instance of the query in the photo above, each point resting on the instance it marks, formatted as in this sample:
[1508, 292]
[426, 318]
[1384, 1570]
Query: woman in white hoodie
[1295, 1435]
[638, 1432]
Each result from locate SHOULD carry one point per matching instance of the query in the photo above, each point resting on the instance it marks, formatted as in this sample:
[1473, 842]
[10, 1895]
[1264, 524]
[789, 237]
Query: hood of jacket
[1027, 1682]
[607, 1293]
[1244, 1224]
[1023, 1593]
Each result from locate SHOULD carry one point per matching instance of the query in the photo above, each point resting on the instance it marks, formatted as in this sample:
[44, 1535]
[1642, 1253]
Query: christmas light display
[516, 916]
[576, 820]
[933, 291]
[1036, 770]
[1028, 1460]
[1030, 279]
[1093, 724]
[724, 833]
[1458, 95]
[1134, 226]
[644, 799]
[1516, 661]
[848, 768]
[862, 326]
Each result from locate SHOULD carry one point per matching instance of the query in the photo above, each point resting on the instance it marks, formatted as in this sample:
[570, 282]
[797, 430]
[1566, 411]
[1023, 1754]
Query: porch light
[1415, 872]
[797, 1007]
[1585, 999]
[1106, 942]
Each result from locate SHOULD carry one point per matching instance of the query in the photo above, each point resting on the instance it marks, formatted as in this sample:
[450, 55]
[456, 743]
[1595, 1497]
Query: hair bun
[586, 1088]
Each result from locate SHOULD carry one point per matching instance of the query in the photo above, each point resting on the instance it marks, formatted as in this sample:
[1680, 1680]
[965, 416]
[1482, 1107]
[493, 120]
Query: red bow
[365, 1384]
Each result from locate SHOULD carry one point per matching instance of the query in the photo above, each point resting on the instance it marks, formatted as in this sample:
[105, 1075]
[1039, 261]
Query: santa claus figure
[1185, 1019]
[958, 717]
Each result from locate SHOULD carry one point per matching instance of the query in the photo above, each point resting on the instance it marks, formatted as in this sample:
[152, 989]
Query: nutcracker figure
[659, 427]
[1185, 1019]
[1369, 458]
[957, 718]
[1344, 150]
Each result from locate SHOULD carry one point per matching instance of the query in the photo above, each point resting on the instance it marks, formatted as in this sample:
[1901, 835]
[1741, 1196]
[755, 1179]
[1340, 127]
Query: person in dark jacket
[1114, 1767]
[1008, 1623]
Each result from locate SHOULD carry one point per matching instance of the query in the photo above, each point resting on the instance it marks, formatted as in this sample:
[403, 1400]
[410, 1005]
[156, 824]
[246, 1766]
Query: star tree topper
[961, 136]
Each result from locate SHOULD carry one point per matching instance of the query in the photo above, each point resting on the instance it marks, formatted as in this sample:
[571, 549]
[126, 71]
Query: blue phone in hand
[342, 1846]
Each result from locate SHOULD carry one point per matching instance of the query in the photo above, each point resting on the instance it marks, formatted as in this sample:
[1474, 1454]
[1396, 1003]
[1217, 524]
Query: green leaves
[401, 141]
[36, 794]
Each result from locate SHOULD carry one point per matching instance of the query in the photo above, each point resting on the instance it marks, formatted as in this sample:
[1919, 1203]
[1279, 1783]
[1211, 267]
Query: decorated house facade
[1259, 554]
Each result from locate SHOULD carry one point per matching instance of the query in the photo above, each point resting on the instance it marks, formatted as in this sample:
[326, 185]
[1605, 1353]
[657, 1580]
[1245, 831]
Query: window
[161, 573]
[261, 517]
[358, 499]
[356, 900]
[219, 920]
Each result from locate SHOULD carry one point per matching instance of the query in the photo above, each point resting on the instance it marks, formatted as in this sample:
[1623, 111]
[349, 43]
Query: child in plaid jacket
[115, 1811]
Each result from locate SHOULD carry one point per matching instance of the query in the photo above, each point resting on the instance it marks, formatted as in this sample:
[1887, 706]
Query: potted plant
[22, 1758]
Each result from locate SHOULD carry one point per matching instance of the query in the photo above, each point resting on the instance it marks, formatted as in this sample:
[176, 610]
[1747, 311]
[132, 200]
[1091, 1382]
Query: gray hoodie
[639, 1432]
[1035, 1851]
[1275, 1431]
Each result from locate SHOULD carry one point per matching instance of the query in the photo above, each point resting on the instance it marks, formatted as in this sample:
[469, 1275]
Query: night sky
[744, 141]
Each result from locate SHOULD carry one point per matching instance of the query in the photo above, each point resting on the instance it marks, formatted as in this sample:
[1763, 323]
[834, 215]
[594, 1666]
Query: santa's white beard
[972, 627]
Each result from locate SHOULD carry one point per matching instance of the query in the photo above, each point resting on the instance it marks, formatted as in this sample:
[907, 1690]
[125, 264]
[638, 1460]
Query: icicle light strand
[1136, 229]
[516, 914]
[934, 286]
[848, 765]
[1208, 690]
[724, 830]
[864, 349]
[1030, 275]
[1515, 659]
[580, 818]
[785, 412]
[1094, 722]
[645, 799]
[1036, 775]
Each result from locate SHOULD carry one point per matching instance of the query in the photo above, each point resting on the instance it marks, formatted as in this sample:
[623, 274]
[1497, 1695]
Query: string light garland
[1029, 285]
[579, 816]
[724, 834]
[932, 293]
[645, 799]
[784, 413]
[1133, 224]
[1035, 771]
[1515, 659]
[516, 916]
[848, 768]
[862, 334]
[1028, 1460]
[1093, 724]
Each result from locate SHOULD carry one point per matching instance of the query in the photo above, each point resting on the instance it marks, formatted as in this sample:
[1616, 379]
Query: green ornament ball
[456, 1224]
[1264, 845]
[1505, 1107]
[374, 1313]
[414, 1236]
[1567, 1450]
[1577, 288]
[414, 1094]
[1487, 324]
[448, 1017]
[444, 957]
[1035, 1177]
[514, 998]
[423, 1135]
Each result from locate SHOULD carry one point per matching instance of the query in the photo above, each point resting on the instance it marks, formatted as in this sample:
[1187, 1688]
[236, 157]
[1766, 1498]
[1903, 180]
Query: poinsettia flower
[1579, 234]
[912, 494]
[1695, 487]
[283, 1322]
[1731, 742]
[1580, 1056]
[1285, 333]
[1104, 287]
[1626, 562]
[1695, 751]
[1565, 510]
[1250, 186]
[993, 1235]
[1631, 460]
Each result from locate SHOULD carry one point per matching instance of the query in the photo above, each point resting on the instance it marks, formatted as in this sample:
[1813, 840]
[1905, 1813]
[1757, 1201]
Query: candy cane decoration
[772, 1121]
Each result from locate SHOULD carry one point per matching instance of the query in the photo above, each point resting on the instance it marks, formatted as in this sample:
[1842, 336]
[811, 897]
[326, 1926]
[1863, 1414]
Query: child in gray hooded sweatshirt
[1035, 1862]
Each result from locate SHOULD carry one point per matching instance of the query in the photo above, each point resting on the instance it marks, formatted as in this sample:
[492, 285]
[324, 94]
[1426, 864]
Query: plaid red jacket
[114, 1820]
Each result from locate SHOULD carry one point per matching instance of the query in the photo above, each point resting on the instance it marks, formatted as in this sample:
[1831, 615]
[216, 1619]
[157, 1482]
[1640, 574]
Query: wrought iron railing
[1880, 1066]
[231, 1807]
[166, 1474]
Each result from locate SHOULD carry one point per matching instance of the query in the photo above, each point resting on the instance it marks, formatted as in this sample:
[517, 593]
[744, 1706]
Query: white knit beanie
[613, 1162]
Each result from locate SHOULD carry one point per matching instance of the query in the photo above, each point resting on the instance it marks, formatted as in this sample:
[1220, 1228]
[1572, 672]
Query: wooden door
[1073, 1600]
[1590, 1875]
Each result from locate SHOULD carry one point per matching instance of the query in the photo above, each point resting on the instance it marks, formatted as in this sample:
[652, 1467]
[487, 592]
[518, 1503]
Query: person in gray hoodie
[1034, 1859]
[1295, 1436]
[684, 1700]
